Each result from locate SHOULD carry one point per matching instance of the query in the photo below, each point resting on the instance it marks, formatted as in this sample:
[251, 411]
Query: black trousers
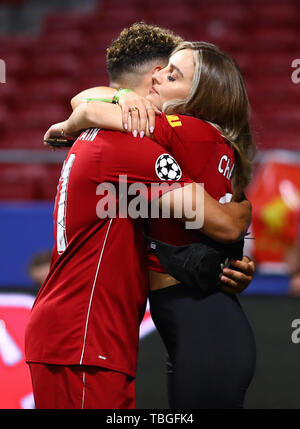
[210, 345]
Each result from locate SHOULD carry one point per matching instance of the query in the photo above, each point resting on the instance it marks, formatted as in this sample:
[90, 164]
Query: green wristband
[106, 100]
[118, 93]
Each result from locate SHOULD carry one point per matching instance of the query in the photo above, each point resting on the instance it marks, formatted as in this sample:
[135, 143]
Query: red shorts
[81, 387]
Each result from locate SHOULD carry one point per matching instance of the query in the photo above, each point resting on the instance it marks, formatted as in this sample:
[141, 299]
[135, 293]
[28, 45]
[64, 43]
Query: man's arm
[225, 223]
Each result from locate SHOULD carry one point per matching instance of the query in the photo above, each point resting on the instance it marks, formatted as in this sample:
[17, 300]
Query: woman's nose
[157, 77]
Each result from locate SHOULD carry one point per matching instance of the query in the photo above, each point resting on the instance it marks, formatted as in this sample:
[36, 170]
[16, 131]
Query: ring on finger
[133, 109]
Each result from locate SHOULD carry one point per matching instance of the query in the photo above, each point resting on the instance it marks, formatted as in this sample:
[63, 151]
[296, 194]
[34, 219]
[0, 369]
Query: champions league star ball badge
[167, 168]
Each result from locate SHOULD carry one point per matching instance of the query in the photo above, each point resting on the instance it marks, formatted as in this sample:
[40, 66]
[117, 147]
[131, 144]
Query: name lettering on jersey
[226, 166]
[90, 134]
[174, 120]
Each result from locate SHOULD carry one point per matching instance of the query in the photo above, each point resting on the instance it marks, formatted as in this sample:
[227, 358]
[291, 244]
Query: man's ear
[156, 69]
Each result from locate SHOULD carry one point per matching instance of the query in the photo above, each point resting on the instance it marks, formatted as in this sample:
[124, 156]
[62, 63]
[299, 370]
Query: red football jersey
[90, 306]
[206, 157]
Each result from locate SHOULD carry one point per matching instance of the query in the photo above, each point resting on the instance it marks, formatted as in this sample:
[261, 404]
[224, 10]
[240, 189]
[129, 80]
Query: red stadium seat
[96, 42]
[279, 116]
[277, 14]
[57, 22]
[271, 63]
[57, 90]
[59, 42]
[58, 65]
[39, 115]
[280, 140]
[4, 113]
[269, 88]
[23, 139]
[9, 91]
[235, 14]
[274, 38]
[22, 181]
[14, 63]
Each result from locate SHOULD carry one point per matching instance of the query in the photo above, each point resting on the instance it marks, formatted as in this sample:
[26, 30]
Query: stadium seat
[37, 116]
[280, 140]
[23, 138]
[272, 63]
[22, 181]
[58, 22]
[273, 38]
[277, 14]
[14, 65]
[276, 88]
[9, 91]
[279, 116]
[58, 65]
[46, 90]
[59, 42]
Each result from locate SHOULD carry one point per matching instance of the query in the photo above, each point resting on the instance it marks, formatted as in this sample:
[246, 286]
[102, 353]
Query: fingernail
[151, 130]
[135, 133]
[126, 126]
[142, 134]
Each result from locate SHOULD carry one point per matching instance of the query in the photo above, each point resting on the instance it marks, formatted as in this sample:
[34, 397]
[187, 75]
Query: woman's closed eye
[171, 78]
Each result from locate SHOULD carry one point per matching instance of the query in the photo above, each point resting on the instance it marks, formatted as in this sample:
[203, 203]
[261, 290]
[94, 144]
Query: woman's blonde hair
[218, 96]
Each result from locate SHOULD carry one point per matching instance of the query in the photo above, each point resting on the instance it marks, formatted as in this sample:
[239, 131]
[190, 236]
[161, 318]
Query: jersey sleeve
[190, 140]
[141, 163]
[163, 133]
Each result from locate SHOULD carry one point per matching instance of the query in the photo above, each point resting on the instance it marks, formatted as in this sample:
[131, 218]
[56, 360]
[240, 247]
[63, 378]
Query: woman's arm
[222, 222]
[97, 92]
[142, 118]
[86, 115]
[95, 114]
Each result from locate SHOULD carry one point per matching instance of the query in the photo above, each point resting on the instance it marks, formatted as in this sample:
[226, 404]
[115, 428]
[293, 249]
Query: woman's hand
[237, 281]
[60, 131]
[56, 130]
[142, 113]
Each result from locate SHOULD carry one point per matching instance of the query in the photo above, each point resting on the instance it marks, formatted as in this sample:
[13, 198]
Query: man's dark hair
[137, 45]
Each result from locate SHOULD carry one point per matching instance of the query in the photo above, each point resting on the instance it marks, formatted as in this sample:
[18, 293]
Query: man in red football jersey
[82, 337]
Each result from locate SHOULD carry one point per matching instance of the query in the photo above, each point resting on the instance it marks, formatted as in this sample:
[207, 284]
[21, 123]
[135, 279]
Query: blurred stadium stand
[55, 49]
